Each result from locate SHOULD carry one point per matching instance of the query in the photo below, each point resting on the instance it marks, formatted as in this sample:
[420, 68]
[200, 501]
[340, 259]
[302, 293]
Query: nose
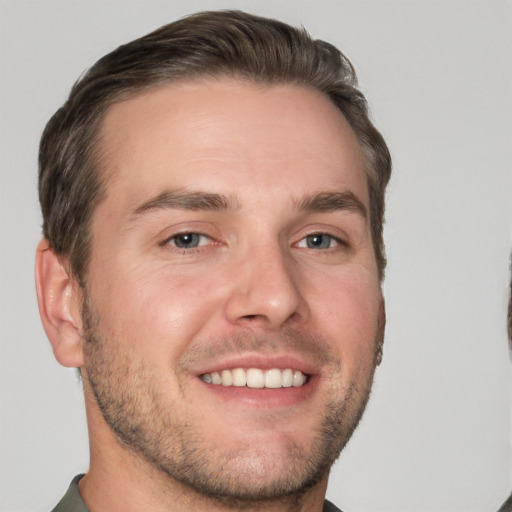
[265, 292]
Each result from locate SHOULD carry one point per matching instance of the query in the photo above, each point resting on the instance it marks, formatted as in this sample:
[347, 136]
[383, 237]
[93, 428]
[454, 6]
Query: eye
[319, 241]
[188, 240]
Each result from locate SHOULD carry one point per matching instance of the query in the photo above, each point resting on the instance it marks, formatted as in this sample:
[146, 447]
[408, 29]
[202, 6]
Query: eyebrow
[172, 199]
[334, 201]
[206, 201]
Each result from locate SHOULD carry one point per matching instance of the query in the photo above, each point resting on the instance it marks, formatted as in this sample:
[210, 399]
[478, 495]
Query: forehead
[229, 133]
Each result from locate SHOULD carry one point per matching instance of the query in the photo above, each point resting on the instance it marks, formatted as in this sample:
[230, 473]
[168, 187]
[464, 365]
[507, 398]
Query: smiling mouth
[257, 378]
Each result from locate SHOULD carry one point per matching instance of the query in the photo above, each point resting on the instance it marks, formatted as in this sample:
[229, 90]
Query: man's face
[233, 246]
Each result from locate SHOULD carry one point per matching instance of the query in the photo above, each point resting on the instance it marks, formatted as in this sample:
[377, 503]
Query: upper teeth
[256, 378]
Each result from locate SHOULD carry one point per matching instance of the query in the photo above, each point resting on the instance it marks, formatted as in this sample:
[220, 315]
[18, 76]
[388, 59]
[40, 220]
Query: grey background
[436, 436]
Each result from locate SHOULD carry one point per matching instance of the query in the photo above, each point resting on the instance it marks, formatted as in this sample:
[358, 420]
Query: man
[213, 199]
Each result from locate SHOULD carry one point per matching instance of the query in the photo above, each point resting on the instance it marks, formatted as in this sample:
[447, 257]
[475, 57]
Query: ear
[58, 297]
[381, 327]
[382, 318]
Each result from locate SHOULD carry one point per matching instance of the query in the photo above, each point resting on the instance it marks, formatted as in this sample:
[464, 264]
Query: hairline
[98, 152]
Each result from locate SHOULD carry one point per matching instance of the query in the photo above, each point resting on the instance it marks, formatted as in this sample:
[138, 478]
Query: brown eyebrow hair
[187, 201]
[332, 201]
[320, 202]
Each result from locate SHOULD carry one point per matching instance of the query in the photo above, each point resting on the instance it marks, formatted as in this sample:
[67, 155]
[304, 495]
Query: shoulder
[72, 501]
[329, 507]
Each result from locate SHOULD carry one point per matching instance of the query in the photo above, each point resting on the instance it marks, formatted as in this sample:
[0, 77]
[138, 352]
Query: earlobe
[59, 306]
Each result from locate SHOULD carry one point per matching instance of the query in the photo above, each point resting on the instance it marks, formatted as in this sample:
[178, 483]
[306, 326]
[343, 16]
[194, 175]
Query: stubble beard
[142, 419]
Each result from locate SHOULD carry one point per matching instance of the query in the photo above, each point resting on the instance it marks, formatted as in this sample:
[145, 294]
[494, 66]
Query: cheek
[153, 310]
[346, 309]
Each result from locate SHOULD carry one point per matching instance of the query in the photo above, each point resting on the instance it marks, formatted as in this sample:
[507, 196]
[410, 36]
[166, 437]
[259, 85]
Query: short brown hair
[207, 44]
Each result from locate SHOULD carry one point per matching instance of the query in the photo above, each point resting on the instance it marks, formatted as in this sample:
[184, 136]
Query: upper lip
[264, 362]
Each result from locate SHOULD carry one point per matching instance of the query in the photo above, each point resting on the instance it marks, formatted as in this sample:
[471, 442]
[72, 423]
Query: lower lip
[263, 397]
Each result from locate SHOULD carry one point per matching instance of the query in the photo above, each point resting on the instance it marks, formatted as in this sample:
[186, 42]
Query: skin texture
[283, 275]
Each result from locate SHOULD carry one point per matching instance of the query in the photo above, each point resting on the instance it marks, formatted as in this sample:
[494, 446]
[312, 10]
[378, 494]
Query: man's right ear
[58, 296]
